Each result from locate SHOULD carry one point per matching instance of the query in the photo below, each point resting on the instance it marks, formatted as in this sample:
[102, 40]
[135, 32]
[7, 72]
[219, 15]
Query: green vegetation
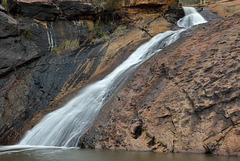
[105, 19]
[90, 26]
[97, 31]
[67, 45]
[111, 5]
[106, 5]
[5, 4]
[27, 33]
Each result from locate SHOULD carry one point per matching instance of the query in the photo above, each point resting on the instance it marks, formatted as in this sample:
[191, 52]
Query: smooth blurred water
[73, 154]
[66, 125]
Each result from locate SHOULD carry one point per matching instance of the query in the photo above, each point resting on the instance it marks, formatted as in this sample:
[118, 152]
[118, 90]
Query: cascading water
[66, 125]
[51, 36]
[191, 18]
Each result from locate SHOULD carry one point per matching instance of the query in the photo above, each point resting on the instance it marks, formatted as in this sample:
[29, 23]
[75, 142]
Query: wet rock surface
[23, 40]
[38, 73]
[41, 76]
[30, 88]
[184, 99]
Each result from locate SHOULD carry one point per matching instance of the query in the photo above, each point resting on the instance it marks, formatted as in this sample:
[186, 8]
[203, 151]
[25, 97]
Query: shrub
[111, 5]
[106, 5]
[67, 45]
[27, 32]
[5, 4]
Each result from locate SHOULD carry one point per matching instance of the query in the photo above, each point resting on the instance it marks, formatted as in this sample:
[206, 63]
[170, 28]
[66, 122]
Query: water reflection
[65, 154]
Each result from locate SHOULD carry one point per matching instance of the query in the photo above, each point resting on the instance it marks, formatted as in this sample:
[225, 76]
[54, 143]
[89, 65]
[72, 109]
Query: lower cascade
[65, 126]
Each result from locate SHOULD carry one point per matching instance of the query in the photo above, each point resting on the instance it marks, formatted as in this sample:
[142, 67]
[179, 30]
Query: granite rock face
[185, 98]
[51, 9]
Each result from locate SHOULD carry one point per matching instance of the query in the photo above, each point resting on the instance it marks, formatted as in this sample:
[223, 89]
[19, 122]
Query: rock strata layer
[186, 98]
[45, 60]
[51, 10]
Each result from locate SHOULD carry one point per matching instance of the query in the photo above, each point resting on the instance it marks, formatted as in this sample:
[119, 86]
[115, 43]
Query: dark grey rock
[8, 25]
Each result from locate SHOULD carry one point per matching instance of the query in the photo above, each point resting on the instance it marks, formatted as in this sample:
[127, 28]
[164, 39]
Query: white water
[191, 18]
[66, 125]
[51, 36]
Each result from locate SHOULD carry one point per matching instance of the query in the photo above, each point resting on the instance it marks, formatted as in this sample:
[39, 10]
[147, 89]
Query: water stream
[56, 136]
[66, 125]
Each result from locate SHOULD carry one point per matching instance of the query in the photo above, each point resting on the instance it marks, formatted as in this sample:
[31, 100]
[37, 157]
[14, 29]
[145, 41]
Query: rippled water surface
[14, 153]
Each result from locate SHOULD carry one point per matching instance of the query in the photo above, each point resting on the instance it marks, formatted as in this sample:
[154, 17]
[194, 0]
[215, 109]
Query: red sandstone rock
[187, 98]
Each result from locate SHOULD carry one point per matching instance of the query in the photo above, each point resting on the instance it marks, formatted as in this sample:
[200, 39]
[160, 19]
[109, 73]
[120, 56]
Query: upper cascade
[192, 17]
[65, 126]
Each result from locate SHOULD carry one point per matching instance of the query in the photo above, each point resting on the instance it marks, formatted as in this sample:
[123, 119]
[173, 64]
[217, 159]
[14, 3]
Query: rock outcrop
[135, 3]
[185, 98]
[39, 73]
[51, 10]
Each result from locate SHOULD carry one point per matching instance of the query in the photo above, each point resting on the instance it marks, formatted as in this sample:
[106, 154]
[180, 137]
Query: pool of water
[16, 153]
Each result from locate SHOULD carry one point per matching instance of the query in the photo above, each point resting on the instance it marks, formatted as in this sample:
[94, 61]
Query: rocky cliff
[185, 98]
[50, 49]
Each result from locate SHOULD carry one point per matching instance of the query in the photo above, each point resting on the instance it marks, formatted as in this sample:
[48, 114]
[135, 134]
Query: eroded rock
[51, 10]
[187, 97]
[8, 25]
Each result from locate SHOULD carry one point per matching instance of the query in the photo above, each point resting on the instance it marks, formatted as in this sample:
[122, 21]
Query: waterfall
[51, 36]
[66, 125]
[191, 18]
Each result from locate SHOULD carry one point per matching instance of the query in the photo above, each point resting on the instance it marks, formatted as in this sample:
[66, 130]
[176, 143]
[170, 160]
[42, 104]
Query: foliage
[96, 3]
[27, 32]
[96, 31]
[99, 28]
[5, 4]
[90, 26]
[67, 45]
[111, 5]
[106, 5]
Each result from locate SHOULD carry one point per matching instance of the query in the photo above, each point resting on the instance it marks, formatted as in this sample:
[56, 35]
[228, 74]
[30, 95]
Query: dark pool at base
[60, 154]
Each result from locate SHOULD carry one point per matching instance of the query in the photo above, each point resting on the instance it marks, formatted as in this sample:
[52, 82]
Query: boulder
[8, 25]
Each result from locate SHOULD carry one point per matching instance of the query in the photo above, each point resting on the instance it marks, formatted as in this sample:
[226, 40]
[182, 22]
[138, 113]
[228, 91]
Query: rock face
[38, 74]
[183, 99]
[134, 3]
[51, 10]
[186, 98]
[25, 39]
